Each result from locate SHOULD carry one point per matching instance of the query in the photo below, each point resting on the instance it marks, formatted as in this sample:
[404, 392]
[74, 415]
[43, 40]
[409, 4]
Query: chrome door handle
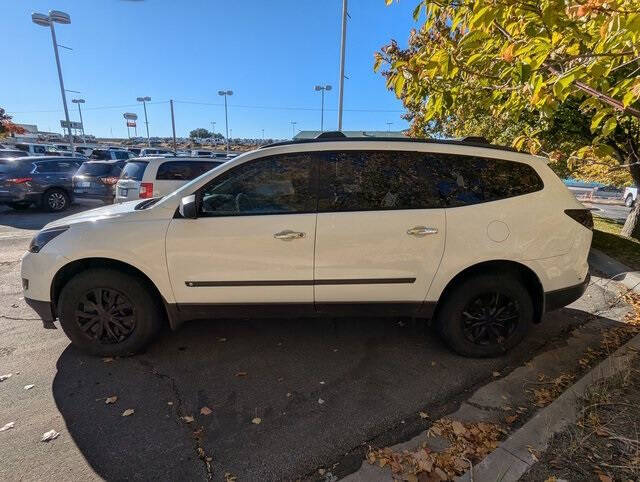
[288, 235]
[421, 231]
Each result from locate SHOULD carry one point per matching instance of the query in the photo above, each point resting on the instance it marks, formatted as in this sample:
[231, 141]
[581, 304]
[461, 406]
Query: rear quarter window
[94, 169]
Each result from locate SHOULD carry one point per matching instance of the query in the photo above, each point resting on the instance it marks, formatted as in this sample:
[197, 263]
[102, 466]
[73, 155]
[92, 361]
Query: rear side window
[101, 155]
[94, 169]
[387, 180]
[183, 170]
[121, 154]
[377, 180]
[134, 170]
[42, 167]
[11, 167]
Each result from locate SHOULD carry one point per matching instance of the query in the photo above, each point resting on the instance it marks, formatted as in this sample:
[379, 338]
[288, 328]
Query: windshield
[134, 170]
[94, 169]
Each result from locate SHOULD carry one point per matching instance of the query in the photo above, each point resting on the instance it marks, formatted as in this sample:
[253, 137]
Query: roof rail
[471, 141]
[330, 135]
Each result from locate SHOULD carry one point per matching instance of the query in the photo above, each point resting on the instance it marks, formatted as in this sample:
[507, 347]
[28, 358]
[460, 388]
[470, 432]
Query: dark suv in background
[97, 180]
[44, 181]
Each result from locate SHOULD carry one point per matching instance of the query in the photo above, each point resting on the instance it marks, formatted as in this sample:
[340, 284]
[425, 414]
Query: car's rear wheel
[55, 200]
[109, 312]
[485, 315]
[20, 206]
[629, 201]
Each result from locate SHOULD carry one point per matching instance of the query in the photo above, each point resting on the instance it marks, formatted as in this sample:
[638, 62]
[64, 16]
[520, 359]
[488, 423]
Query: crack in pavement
[200, 452]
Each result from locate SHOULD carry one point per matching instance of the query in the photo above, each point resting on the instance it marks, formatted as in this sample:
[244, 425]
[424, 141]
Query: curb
[614, 269]
[512, 458]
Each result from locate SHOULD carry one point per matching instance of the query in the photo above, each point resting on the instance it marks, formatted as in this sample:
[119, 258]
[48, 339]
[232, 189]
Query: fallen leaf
[111, 399]
[321, 471]
[510, 418]
[127, 412]
[206, 411]
[50, 435]
[107, 359]
[423, 415]
[222, 340]
[29, 387]
[169, 403]
[604, 478]
[320, 401]
[256, 420]
[433, 363]
[187, 418]
[7, 426]
[458, 428]
[288, 394]
[496, 374]
[241, 374]
[322, 383]
[4, 377]
[335, 350]
[229, 478]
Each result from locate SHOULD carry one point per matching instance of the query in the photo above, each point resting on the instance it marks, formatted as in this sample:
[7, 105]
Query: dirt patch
[604, 444]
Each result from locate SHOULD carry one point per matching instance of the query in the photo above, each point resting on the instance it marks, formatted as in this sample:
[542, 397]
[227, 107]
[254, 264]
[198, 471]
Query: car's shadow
[319, 388]
[35, 218]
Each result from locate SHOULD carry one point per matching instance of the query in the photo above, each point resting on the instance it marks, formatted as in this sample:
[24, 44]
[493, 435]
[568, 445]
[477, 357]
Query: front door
[253, 240]
[380, 231]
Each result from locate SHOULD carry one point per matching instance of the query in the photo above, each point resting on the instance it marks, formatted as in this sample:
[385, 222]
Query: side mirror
[188, 208]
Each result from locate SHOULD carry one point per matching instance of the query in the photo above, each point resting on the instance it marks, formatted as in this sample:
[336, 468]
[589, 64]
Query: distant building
[314, 134]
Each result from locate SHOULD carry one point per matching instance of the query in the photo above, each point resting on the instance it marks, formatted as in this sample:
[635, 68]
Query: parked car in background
[97, 180]
[84, 150]
[606, 193]
[481, 239]
[197, 153]
[33, 149]
[630, 196]
[156, 151]
[110, 155]
[158, 176]
[44, 181]
[135, 150]
[12, 153]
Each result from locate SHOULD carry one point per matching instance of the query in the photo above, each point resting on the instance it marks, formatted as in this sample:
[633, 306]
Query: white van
[483, 240]
[34, 149]
[158, 176]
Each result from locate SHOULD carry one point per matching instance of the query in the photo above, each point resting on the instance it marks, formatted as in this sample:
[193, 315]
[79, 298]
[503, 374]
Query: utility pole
[173, 125]
[226, 93]
[213, 131]
[293, 129]
[389, 126]
[342, 52]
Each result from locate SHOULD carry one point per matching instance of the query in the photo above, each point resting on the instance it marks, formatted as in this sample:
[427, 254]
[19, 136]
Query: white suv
[147, 177]
[480, 239]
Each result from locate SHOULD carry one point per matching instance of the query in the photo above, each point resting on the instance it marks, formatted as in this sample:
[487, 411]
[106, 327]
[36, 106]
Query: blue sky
[270, 53]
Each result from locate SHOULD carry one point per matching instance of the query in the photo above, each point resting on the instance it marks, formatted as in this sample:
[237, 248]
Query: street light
[80, 101]
[389, 124]
[43, 20]
[322, 88]
[144, 101]
[293, 128]
[226, 93]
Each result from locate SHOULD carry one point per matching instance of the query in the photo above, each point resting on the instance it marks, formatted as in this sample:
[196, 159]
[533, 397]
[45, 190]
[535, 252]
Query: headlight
[43, 237]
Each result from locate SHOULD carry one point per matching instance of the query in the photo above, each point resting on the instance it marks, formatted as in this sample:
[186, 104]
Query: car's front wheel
[107, 312]
[55, 200]
[485, 315]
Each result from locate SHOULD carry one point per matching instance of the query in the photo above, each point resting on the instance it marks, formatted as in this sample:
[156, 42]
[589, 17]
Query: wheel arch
[68, 271]
[528, 276]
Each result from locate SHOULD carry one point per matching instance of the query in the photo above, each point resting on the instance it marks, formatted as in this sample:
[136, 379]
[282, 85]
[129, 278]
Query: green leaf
[609, 126]
[560, 86]
[399, 85]
[598, 117]
[629, 98]
[524, 72]
[416, 11]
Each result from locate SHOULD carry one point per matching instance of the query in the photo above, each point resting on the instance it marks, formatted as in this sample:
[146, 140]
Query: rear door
[380, 231]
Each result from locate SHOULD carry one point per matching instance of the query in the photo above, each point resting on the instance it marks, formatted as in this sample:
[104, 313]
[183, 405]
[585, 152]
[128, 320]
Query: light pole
[144, 101]
[43, 20]
[293, 129]
[213, 131]
[389, 126]
[80, 101]
[263, 136]
[343, 42]
[322, 88]
[226, 93]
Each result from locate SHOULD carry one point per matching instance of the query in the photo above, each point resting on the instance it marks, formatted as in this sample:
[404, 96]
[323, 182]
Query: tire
[55, 200]
[629, 201]
[20, 206]
[139, 314]
[461, 306]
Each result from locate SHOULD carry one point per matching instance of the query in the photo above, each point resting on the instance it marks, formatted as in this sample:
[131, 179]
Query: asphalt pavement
[286, 396]
[617, 212]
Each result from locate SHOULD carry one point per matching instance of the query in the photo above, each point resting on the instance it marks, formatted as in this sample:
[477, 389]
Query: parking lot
[286, 396]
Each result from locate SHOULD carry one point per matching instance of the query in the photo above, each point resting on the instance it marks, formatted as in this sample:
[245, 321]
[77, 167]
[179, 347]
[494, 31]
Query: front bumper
[556, 299]
[44, 309]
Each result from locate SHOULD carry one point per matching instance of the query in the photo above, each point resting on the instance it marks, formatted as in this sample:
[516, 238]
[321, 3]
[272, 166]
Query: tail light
[146, 189]
[20, 180]
[109, 181]
[582, 216]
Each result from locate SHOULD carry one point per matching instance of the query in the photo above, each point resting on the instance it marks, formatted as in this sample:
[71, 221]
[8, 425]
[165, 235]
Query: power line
[103, 107]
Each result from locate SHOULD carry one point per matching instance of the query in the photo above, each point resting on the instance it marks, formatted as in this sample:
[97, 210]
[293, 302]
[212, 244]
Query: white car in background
[630, 196]
[150, 177]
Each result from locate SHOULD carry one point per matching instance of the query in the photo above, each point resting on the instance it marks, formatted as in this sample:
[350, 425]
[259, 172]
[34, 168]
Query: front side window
[377, 180]
[281, 184]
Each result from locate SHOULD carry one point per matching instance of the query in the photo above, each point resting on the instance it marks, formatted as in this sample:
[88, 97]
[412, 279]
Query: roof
[342, 137]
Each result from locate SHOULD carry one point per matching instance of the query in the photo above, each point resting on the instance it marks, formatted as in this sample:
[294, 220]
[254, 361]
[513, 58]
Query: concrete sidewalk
[614, 270]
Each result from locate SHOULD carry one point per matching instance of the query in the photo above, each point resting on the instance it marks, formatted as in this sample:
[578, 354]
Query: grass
[606, 238]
